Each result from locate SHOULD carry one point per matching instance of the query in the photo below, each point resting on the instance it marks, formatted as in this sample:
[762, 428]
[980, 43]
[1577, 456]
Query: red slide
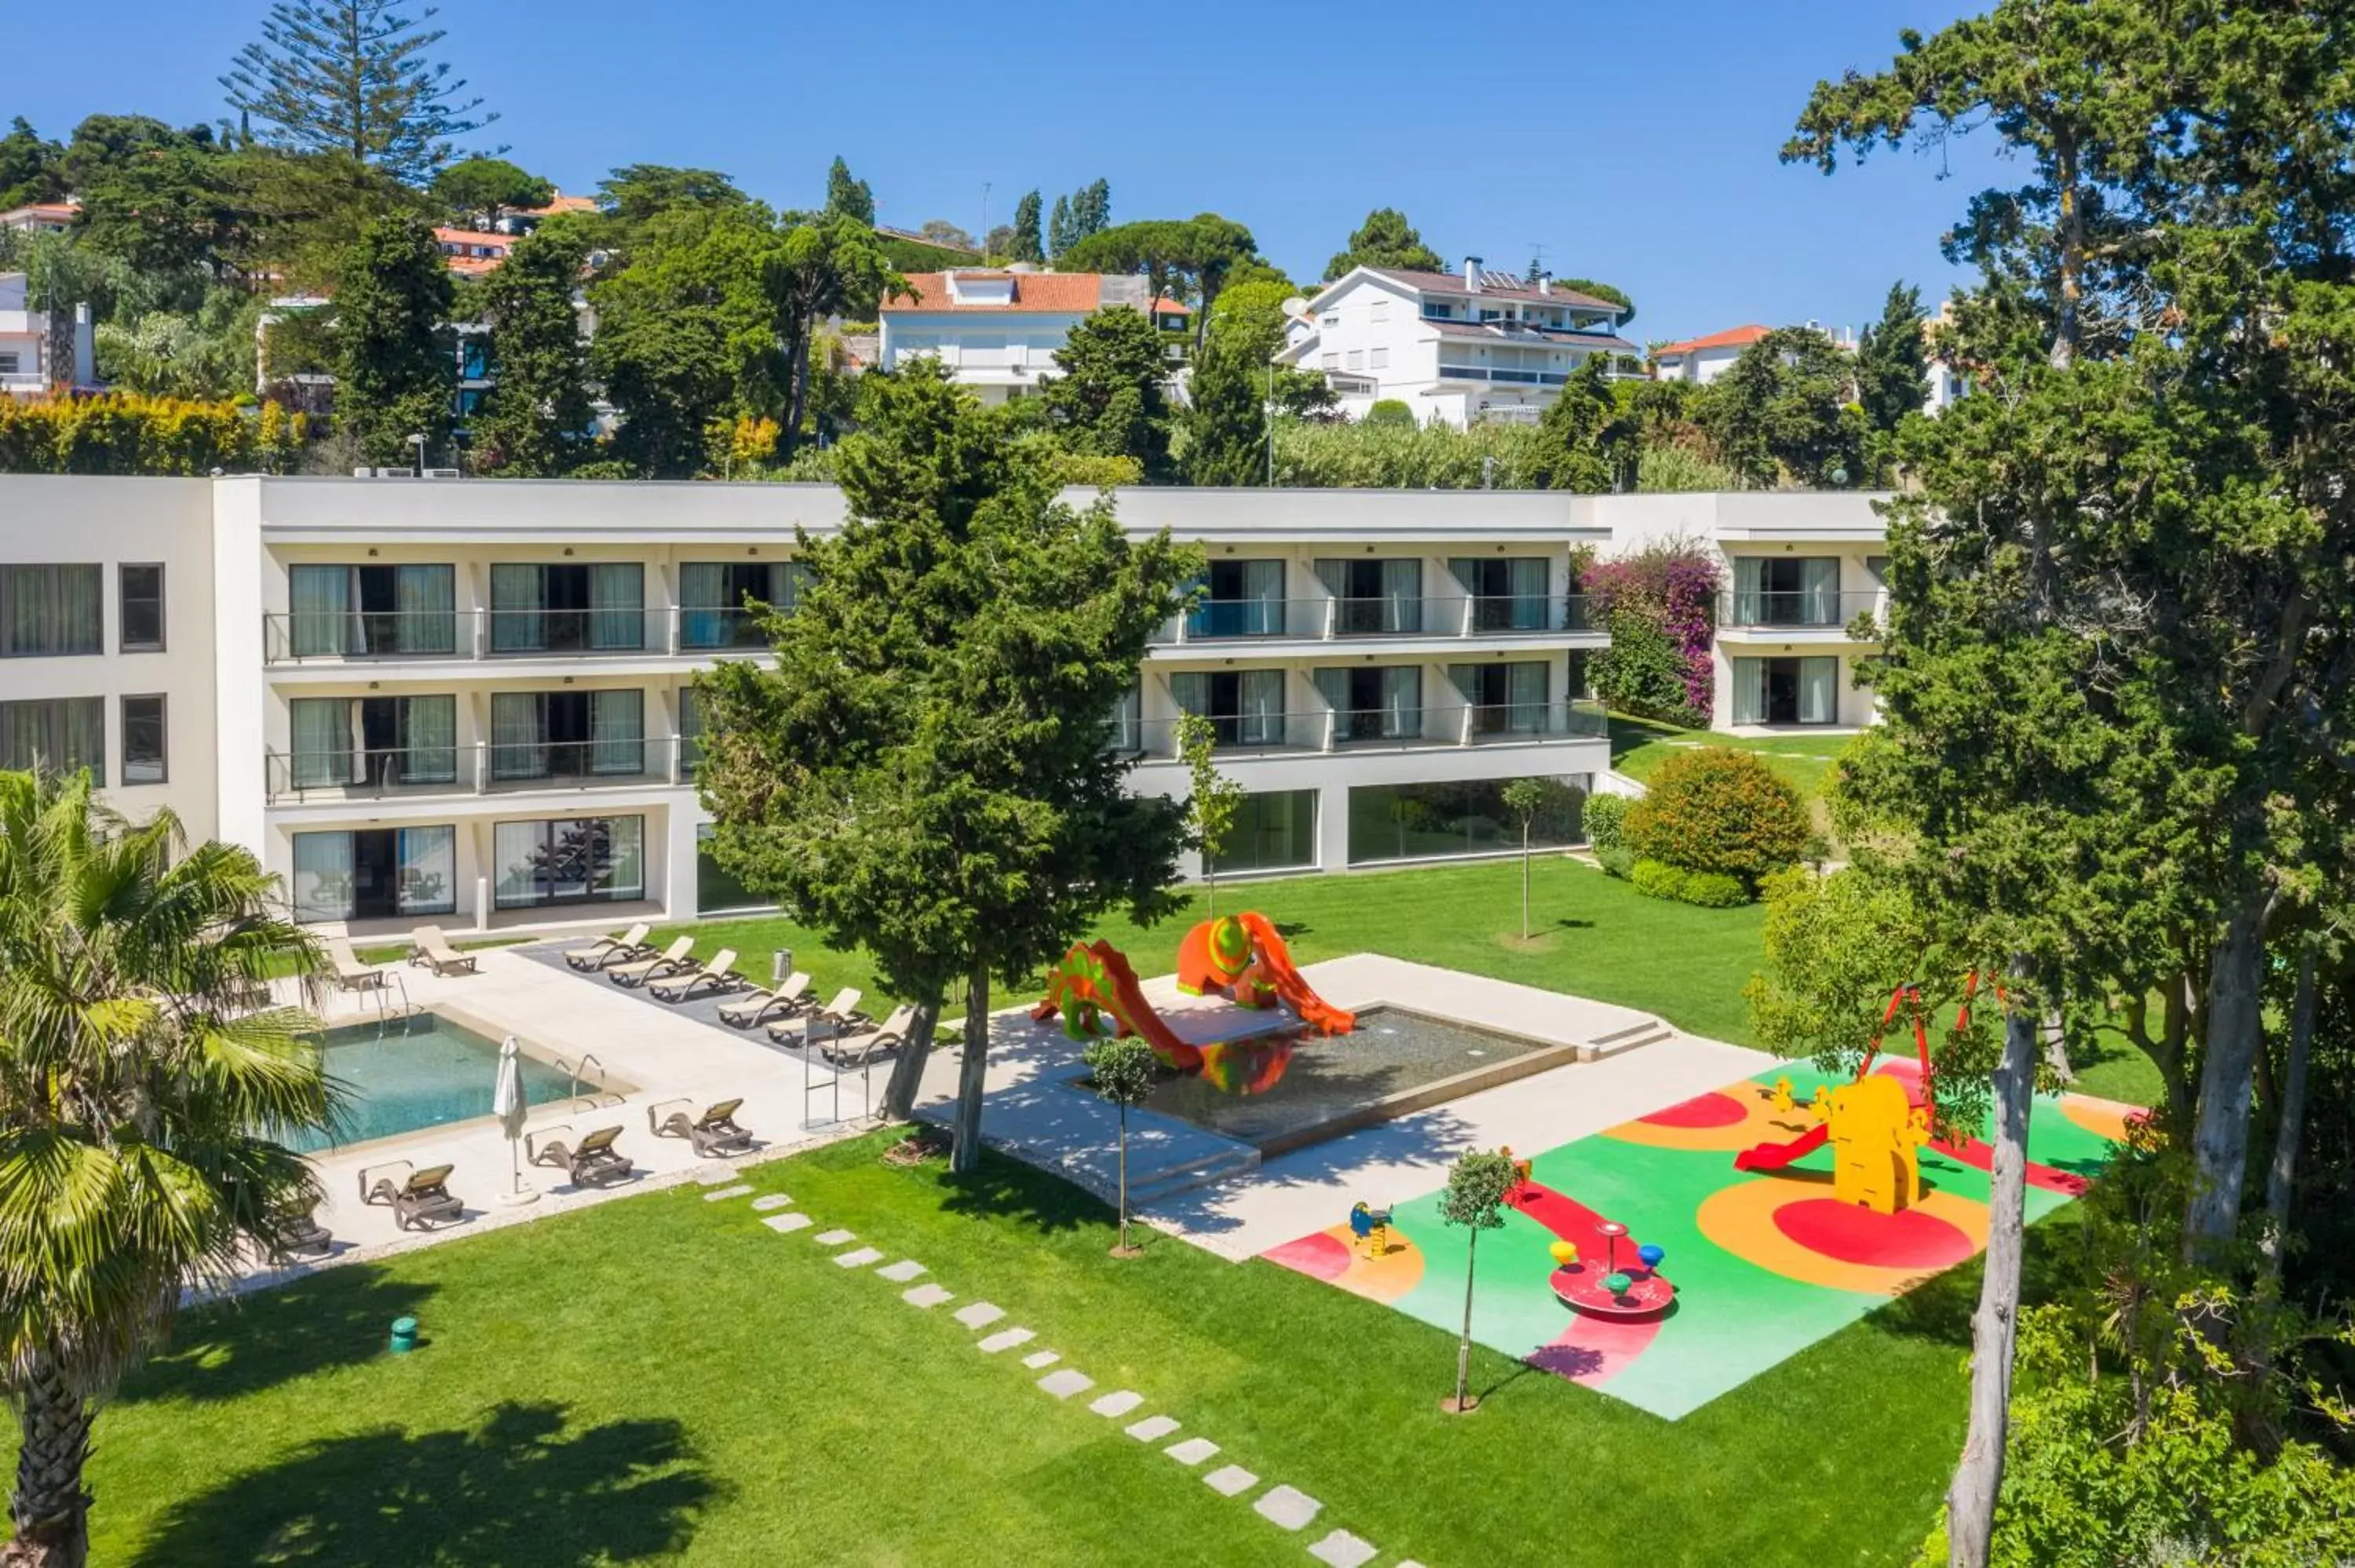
[1774, 1155]
[1128, 1008]
[1313, 1009]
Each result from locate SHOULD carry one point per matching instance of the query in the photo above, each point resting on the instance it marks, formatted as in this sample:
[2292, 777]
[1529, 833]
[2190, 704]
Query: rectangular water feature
[417, 1073]
[1279, 1093]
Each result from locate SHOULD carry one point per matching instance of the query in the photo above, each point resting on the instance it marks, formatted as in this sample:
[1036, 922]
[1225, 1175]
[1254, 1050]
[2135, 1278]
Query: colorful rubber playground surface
[1764, 1262]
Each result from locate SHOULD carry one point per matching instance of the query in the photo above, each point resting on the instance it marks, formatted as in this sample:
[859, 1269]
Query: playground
[1753, 1264]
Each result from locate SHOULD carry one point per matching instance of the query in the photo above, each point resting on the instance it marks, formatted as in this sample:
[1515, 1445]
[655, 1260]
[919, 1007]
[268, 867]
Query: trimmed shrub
[123, 433]
[1710, 889]
[1619, 862]
[1719, 810]
[1604, 820]
[1390, 411]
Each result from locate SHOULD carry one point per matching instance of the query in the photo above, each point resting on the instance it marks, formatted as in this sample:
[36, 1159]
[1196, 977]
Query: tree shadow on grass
[1006, 1189]
[234, 1348]
[516, 1490]
[1939, 1308]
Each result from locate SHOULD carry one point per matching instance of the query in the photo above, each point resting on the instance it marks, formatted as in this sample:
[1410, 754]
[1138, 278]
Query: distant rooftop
[1732, 337]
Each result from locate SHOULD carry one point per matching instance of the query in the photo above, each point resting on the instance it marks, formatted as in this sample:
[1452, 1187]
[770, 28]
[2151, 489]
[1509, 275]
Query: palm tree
[141, 1115]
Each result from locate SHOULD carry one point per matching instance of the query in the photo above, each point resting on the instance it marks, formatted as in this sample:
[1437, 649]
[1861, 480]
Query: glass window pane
[428, 871]
[1274, 831]
[320, 733]
[323, 877]
[142, 629]
[1412, 821]
[617, 605]
[518, 851]
[716, 887]
[142, 740]
[623, 875]
[49, 610]
[322, 601]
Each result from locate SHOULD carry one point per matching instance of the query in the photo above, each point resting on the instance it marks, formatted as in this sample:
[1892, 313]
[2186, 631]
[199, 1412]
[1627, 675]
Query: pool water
[422, 1074]
[1274, 1090]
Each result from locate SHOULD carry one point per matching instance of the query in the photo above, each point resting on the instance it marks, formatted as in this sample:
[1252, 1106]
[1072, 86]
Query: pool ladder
[579, 1069]
[385, 1011]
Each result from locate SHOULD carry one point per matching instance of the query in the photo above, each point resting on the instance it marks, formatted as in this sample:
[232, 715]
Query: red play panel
[1853, 1234]
[1320, 1257]
[1712, 1110]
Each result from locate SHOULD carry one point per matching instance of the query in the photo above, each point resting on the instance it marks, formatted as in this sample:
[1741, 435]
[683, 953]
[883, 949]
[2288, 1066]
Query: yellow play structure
[1876, 1134]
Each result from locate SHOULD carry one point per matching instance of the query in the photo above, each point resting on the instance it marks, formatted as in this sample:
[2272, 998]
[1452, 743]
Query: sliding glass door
[573, 860]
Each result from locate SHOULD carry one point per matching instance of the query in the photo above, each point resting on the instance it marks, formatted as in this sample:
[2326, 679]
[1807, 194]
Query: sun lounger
[669, 962]
[350, 973]
[859, 1050]
[597, 955]
[714, 1134]
[428, 946]
[422, 1199]
[591, 1162]
[719, 975]
[295, 1231]
[842, 1011]
[758, 1007]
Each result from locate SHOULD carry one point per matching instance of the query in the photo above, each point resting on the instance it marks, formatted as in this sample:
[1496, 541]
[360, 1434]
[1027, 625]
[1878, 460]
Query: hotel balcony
[308, 778]
[299, 638]
[1412, 620]
[1239, 736]
[1781, 616]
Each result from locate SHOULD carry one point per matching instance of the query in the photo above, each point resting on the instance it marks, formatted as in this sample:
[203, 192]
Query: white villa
[996, 330]
[1461, 347]
[25, 370]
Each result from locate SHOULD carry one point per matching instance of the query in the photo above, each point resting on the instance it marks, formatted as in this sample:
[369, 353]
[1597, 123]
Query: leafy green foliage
[1707, 889]
[1213, 799]
[127, 434]
[393, 375]
[1720, 810]
[1029, 243]
[352, 78]
[848, 198]
[635, 194]
[1120, 1068]
[1605, 819]
[1108, 401]
[31, 169]
[1385, 240]
[1892, 363]
[538, 415]
[1226, 416]
[478, 192]
[1612, 292]
[1643, 671]
[1390, 411]
[1476, 1185]
[1782, 413]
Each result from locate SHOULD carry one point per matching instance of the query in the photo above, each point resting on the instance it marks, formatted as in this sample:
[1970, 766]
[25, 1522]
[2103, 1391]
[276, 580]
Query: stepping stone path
[1343, 1549]
[900, 1273]
[1287, 1507]
[927, 1296]
[1038, 1358]
[738, 1190]
[1192, 1451]
[1151, 1427]
[857, 1257]
[1006, 1340]
[1230, 1479]
[767, 1201]
[1067, 1383]
[980, 1315]
[787, 1225]
[1119, 1404]
[835, 1238]
[715, 1177]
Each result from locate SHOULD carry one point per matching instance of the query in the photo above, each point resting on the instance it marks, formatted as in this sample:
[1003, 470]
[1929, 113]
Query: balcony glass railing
[1157, 740]
[477, 769]
[1321, 620]
[523, 633]
[1771, 609]
[364, 634]
[716, 629]
[297, 637]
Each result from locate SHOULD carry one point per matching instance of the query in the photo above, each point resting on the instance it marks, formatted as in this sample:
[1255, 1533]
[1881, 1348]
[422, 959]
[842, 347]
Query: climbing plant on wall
[1661, 605]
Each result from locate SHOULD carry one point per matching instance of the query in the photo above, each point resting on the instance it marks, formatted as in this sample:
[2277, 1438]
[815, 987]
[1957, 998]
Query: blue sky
[1636, 142]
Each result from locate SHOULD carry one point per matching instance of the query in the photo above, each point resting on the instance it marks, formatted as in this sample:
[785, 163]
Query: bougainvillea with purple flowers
[1661, 605]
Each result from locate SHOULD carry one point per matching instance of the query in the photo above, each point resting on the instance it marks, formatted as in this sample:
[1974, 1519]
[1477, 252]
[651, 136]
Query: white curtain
[1819, 691]
[428, 728]
[1125, 730]
[624, 871]
[427, 597]
[617, 732]
[1402, 701]
[1749, 591]
[1260, 696]
[1333, 685]
[1819, 590]
[518, 735]
[1401, 596]
[518, 850]
[53, 609]
[322, 600]
[617, 601]
[323, 877]
[1749, 691]
[1525, 691]
[1530, 580]
[1264, 591]
[428, 871]
[518, 599]
[703, 604]
[1190, 690]
[320, 736]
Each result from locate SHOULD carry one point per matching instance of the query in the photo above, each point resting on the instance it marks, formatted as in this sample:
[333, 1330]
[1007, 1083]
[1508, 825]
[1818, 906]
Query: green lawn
[1638, 747]
[662, 1379]
[1595, 936]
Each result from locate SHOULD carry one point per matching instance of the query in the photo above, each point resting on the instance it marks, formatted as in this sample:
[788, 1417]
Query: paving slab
[1228, 1480]
[1119, 1404]
[1064, 1384]
[1192, 1451]
[1343, 1549]
[927, 1296]
[1038, 1358]
[767, 1201]
[738, 1190]
[1006, 1340]
[857, 1257]
[1151, 1427]
[715, 1177]
[980, 1315]
[787, 1225]
[835, 1238]
[901, 1272]
[1287, 1507]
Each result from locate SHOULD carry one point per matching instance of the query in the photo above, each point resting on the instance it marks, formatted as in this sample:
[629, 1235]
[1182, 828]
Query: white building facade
[467, 702]
[1462, 348]
[996, 330]
[25, 369]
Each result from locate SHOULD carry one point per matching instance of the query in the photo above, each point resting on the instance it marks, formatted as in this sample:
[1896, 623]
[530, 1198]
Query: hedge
[1710, 889]
[123, 433]
[1605, 819]
[1719, 810]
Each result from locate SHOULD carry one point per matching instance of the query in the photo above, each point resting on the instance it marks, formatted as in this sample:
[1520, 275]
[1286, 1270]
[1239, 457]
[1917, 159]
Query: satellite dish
[1295, 307]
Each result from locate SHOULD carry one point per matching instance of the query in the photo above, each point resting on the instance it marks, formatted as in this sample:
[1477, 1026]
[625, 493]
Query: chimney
[1472, 273]
[1545, 283]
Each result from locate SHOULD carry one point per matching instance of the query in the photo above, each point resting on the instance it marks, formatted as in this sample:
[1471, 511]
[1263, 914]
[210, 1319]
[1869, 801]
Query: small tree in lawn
[1216, 800]
[1121, 1069]
[1476, 1185]
[1525, 798]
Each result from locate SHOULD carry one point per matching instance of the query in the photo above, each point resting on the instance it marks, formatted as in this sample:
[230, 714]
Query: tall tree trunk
[50, 1510]
[1978, 1474]
[2289, 1126]
[2068, 326]
[974, 1071]
[907, 1072]
[2220, 1138]
[1525, 881]
[797, 374]
[1124, 1176]
[62, 337]
[1463, 1345]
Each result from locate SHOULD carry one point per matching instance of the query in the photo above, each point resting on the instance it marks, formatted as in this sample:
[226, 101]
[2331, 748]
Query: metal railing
[477, 769]
[1455, 724]
[1513, 723]
[1331, 619]
[293, 637]
[1776, 609]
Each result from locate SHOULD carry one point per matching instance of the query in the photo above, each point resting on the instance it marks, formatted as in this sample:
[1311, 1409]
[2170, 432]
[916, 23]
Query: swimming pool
[422, 1074]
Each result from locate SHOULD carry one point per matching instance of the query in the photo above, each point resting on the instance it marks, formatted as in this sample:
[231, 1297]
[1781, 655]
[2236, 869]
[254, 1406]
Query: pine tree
[1091, 209]
[393, 377]
[1385, 240]
[1893, 367]
[353, 77]
[537, 417]
[1028, 245]
[1059, 228]
[848, 198]
[1226, 416]
[1108, 401]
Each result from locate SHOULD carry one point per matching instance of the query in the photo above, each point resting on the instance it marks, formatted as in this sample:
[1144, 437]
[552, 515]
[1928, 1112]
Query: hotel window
[1276, 831]
[1380, 311]
[571, 860]
[1381, 360]
[1509, 592]
[1329, 319]
[140, 629]
[1357, 359]
[351, 611]
[47, 610]
[11, 364]
[1332, 362]
[712, 595]
[1439, 309]
[58, 735]
[567, 608]
[142, 740]
[377, 873]
[1245, 707]
[1381, 702]
[1505, 699]
[1786, 691]
[568, 734]
[1412, 821]
[1245, 598]
[339, 742]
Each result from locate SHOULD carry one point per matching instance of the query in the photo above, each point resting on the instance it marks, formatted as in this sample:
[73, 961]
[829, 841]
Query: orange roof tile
[1734, 337]
[1066, 293]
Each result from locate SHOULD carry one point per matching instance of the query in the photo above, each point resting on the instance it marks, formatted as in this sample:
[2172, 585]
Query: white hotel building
[467, 701]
